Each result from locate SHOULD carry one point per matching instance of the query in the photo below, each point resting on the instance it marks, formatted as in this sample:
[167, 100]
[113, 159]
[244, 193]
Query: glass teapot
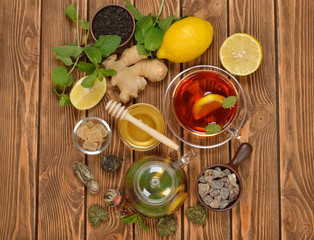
[156, 186]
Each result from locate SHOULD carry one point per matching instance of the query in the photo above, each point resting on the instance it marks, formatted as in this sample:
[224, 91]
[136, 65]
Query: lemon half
[86, 98]
[241, 54]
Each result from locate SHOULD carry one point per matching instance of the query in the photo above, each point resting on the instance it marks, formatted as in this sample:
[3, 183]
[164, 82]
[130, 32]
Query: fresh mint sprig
[150, 30]
[103, 47]
[133, 219]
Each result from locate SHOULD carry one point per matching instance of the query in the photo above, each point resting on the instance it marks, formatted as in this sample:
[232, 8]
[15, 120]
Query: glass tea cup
[209, 78]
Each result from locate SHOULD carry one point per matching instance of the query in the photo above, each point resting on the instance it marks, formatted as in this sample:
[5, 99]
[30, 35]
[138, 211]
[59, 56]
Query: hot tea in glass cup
[193, 101]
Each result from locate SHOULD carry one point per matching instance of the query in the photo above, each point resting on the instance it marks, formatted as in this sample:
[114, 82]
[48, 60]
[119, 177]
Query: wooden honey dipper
[118, 111]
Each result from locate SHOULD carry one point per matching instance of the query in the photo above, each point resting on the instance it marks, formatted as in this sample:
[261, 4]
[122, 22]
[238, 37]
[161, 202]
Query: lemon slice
[241, 54]
[206, 105]
[86, 98]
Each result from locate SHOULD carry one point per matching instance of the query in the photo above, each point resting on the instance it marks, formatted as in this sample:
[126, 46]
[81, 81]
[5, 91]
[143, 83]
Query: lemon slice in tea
[241, 54]
[86, 98]
[206, 105]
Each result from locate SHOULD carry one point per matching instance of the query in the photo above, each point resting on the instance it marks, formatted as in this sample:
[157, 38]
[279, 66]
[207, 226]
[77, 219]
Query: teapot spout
[186, 158]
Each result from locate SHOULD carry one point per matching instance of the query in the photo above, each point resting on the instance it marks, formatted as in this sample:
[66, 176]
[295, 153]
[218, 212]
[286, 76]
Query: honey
[136, 138]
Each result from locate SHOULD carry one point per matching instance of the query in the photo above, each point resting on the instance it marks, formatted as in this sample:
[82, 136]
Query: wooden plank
[153, 94]
[295, 22]
[113, 228]
[257, 214]
[61, 195]
[217, 224]
[20, 40]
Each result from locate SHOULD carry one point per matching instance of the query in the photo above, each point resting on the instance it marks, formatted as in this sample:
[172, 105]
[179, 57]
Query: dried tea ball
[96, 215]
[110, 163]
[112, 197]
[166, 226]
[86, 176]
[197, 214]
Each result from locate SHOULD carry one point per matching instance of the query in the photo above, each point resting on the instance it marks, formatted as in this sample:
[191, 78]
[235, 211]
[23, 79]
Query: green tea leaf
[131, 219]
[140, 221]
[164, 24]
[66, 60]
[107, 44]
[136, 14]
[93, 54]
[229, 102]
[68, 51]
[60, 76]
[85, 24]
[70, 11]
[88, 82]
[153, 39]
[89, 68]
[142, 50]
[64, 100]
[108, 72]
[212, 128]
[100, 76]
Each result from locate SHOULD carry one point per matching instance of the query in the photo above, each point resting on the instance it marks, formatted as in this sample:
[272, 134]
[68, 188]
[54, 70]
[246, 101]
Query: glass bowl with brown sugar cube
[92, 135]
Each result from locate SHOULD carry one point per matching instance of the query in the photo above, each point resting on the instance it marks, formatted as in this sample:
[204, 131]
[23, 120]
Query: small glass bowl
[79, 142]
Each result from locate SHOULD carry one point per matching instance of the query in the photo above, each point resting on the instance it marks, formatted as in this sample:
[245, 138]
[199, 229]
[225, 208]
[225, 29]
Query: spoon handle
[243, 152]
[152, 132]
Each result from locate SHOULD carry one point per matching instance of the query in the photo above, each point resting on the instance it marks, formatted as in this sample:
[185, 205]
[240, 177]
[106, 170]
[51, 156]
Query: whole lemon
[186, 40]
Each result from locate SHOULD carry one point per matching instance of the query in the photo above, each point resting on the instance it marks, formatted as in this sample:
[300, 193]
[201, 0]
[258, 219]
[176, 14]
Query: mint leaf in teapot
[229, 102]
[212, 128]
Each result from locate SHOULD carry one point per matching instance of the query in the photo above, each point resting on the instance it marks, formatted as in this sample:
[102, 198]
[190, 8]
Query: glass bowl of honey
[136, 138]
[194, 102]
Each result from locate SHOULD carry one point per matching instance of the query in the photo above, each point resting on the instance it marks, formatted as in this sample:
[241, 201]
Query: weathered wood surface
[42, 198]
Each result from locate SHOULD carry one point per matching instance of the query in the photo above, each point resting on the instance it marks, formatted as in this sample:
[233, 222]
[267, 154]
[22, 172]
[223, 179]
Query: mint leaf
[229, 102]
[136, 14]
[140, 221]
[164, 24]
[85, 24]
[153, 39]
[89, 68]
[142, 50]
[88, 82]
[108, 72]
[107, 44]
[56, 92]
[60, 76]
[64, 100]
[100, 76]
[142, 27]
[131, 219]
[70, 11]
[93, 54]
[66, 60]
[68, 51]
[212, 128]
[70, 80]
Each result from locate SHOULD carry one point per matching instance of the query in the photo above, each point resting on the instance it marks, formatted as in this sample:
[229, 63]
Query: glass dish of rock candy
[217, 188]
[92, 135]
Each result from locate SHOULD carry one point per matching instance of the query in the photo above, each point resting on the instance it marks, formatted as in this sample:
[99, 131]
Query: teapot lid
[155, 183]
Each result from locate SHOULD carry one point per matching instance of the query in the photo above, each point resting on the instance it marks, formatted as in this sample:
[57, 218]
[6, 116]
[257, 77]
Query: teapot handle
[186, 158]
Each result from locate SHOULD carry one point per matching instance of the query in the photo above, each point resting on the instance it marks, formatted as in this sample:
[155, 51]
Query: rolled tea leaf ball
[86, 176]
[97, 215]
[110, 163]
[197, 214]
[166, 226]
[112, 198]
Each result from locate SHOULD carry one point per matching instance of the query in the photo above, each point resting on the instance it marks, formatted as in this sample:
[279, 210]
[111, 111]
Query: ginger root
[130, 79]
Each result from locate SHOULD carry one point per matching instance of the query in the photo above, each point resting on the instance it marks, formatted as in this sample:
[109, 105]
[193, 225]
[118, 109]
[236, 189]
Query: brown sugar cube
[90, 124]
[104, 132]
[90, 146]
[100, 145]
[94, 135]
[81, 132]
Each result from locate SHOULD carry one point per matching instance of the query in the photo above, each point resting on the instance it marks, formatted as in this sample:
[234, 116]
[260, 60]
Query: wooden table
[41, 198]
